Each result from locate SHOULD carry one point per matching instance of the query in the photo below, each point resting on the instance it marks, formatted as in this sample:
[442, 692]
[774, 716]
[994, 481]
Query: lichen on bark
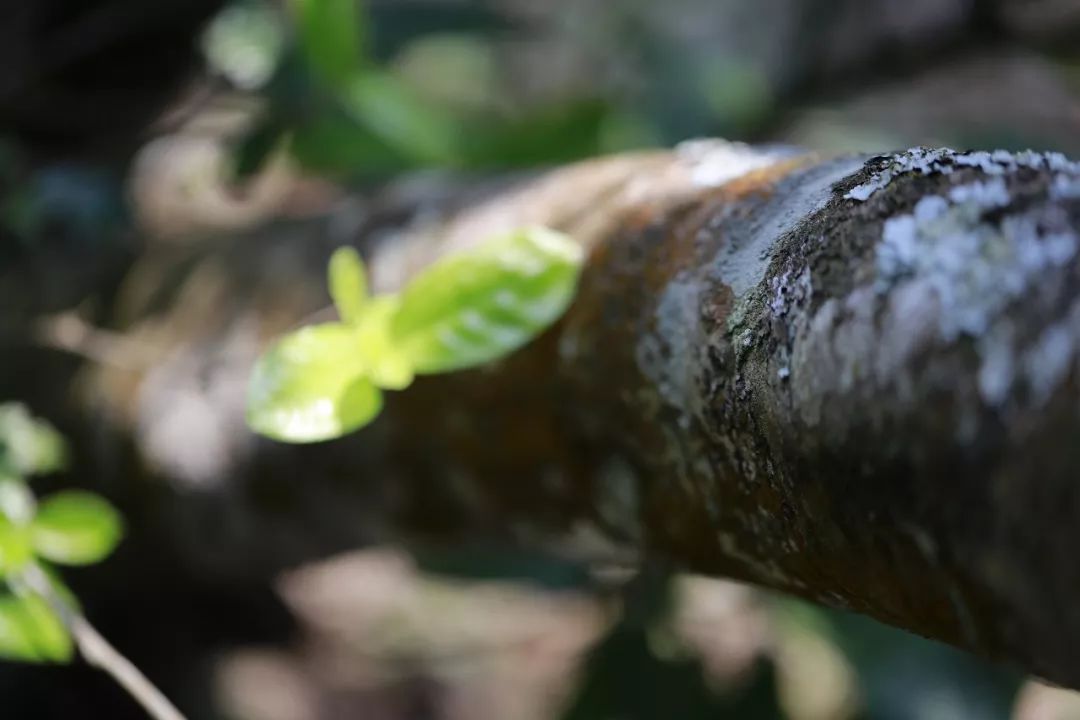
[879, 418]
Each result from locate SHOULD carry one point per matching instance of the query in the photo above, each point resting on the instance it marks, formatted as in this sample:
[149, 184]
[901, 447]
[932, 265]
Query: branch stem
[100, 653]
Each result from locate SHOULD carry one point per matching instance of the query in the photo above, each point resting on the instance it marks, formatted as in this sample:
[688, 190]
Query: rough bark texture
[851, 379]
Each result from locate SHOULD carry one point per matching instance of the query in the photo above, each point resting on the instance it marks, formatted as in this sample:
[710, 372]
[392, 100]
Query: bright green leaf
[75, 528]
[31, 632]
[311, 386]
[331, 35]
[15, 547]
[384, 362]
[348, 284]
[477, 306]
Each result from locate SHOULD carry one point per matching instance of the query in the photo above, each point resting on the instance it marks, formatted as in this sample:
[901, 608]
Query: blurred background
[135, 135]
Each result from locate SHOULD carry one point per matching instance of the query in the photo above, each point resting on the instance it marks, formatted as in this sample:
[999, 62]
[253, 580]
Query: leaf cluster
[468, 309]
[70, 527]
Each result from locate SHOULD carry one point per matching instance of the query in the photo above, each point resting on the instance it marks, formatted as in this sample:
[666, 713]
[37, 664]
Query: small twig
[68, 332]
[99, 652]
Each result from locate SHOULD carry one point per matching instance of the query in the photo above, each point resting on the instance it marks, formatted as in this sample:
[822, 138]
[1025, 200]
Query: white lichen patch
[942, 161]
[973, 267]
[1065, 187]
[1048, 361]
[989, 194]
[959, 265]
[916, 160]
[1040, 366]
[997, 366]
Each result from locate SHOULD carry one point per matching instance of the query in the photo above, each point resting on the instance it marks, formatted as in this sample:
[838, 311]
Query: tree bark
[851, 379]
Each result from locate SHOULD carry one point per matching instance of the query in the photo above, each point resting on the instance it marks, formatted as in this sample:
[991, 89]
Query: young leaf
[384, 362]
[331, 35]
[348, 284]
[472, 308]
[31, 632]
[75, 528]
[311, 386]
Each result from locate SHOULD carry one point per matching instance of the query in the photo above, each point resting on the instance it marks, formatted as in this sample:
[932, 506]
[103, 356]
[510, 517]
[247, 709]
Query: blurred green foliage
[68, 528]
[339, 109]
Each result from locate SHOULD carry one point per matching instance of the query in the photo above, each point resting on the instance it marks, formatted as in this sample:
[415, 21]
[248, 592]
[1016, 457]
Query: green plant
[68, 528]
[467, 309]
[40, 618]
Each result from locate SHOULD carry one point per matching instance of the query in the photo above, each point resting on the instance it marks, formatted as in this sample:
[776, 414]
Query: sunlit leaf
[332, 36]
[477, 306]
[384, 362]
[31, 632]
[311, 386]
[28, 445]
[76, 528]
[348, 284]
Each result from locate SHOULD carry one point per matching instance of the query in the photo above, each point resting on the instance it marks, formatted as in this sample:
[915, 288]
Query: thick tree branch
[851, 379]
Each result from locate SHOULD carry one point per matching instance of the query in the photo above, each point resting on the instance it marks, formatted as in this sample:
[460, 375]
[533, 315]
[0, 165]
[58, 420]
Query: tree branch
[851, 379]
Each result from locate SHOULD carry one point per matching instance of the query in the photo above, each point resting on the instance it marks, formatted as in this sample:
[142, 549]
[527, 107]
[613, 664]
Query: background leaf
[15, 547]
[393, 112]
[31, 632]
[561, 133]
[394, 26]
[17, 503]
[310, 386]
[76, 528]
[335, 144]
[244, 43]
[472, 308]
[29, 445]
[332, 37]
